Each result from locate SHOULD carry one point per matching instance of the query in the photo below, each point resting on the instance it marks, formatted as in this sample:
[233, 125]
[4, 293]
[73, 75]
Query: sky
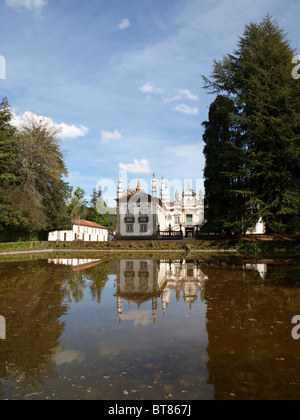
[123, 79]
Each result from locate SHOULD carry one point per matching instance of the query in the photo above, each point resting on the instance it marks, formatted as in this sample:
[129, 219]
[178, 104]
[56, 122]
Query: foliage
[98, 210]
[77, 204]
[8, 151]
[266, 148]
[223, 170]
[33, 193]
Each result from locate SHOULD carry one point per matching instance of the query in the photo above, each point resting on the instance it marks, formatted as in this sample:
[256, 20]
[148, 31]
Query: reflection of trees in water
[31, 301]
[33, 298]
[98, 277]
[73, 288]
[251, 352]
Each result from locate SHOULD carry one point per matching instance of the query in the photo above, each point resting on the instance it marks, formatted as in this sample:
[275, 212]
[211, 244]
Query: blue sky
[123, 77]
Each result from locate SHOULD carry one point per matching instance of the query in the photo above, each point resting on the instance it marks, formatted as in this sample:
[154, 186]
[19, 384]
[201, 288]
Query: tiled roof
[87, 223]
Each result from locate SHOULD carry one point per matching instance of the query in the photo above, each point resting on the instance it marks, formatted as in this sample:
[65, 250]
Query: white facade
[141, 215]
[78, 263]
[259, 229]
[186, 214]
[82, 230]
[140, 281]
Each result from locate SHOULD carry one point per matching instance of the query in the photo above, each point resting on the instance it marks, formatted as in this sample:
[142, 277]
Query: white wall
[146, 208]
[89, 234]
[259, 229]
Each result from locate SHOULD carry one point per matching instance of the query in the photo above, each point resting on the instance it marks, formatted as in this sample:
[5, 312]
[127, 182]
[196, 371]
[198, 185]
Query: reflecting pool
[149, 329]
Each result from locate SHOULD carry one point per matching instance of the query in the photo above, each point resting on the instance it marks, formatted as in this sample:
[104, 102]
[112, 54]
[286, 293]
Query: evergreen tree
[99, 212]
[8, 172]
[8, 148]
[223, 175]
[258, 78]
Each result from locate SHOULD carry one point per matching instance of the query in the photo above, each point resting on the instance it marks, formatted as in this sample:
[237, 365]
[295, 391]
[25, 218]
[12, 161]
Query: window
[189, 219]
[129, 280]
[177, 220]
[130, 265]
[129, 228]
[144, 228]
[190, 270]
[143, 282]
[129, 218]
[143, 217]
[143, 265]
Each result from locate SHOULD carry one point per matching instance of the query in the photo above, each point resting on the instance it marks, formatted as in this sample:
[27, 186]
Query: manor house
[144, 216]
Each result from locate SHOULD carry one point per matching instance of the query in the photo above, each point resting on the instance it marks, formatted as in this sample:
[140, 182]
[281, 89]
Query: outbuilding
[83, 230]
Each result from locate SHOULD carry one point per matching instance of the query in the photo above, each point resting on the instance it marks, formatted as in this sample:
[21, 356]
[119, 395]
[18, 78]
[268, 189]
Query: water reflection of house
[261, 268]
[2, 328]
[78, 264]
[140, 281]
[182, 276]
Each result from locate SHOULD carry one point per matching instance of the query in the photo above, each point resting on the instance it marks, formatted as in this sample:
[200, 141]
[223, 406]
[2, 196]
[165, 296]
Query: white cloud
[183, 94]
[72, 175]
[65, 131]
[174, 98]
[187, 93]
[107, 136]
[32, 5]
[139, 317]
[151, 89]
[185, 109]
[124, 23]
[138, 167]
[72, 131]
[68, 356]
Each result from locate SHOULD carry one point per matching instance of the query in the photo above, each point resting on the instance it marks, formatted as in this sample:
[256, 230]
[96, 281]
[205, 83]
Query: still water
[134, 329]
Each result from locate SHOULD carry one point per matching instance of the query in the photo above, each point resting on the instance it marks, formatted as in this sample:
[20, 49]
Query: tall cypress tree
[8, 148]
[8, 171]
[225, 171]
[258, 78]
[218, 134]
